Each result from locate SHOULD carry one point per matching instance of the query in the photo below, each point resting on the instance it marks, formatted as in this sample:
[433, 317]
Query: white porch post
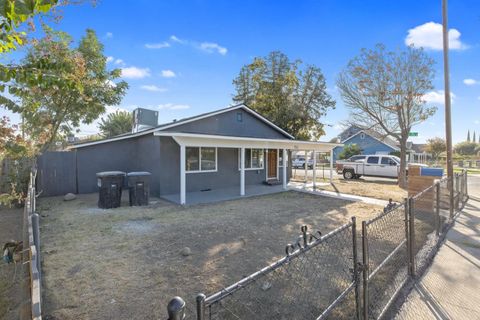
[242, 171]
[284, 168]
[306, 166]
[331, 165]
[182, 175]
[314, 173]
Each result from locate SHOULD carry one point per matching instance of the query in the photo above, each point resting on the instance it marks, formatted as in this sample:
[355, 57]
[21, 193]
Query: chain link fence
[346, 274]
[385, 260]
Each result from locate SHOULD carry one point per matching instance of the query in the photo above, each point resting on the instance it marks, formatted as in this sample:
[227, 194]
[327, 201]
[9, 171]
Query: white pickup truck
[370, 165]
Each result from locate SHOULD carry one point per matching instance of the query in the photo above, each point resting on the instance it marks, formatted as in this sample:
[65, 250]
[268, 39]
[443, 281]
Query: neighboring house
[368, 140]
[196, 154]
[417, 152]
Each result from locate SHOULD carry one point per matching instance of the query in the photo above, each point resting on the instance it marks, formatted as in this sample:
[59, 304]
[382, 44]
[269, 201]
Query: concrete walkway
[450, 289]
[308, 187]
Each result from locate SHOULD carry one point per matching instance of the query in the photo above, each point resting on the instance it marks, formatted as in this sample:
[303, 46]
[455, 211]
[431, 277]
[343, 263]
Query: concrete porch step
[272, 182]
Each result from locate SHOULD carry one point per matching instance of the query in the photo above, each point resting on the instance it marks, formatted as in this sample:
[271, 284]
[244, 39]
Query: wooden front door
[272, 164]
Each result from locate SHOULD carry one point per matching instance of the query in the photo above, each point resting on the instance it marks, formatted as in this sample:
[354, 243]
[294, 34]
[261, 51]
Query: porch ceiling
[205, 140]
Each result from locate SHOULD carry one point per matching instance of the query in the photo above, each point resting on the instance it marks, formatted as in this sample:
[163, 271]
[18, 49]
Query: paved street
[450, 288]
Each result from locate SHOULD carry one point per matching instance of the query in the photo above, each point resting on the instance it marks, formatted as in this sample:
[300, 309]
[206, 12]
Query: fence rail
[322, 277]
[32, 239]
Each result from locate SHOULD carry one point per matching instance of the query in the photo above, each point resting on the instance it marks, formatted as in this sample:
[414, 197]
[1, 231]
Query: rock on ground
[69, 197]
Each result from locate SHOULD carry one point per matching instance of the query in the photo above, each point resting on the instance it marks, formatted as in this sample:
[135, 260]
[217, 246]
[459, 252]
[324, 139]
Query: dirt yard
[11, 276]
[127, 263]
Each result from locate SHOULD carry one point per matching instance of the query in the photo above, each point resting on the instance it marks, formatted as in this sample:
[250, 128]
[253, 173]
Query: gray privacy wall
[228, 124]
[56, 173]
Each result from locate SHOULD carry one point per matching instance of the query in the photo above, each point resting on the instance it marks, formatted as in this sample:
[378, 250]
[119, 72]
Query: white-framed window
[362, 135]
[280, 158]
[200, 159]
[253, 159]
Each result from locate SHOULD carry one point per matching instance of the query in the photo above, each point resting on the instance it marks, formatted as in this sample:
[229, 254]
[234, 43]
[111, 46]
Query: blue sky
[180, 57]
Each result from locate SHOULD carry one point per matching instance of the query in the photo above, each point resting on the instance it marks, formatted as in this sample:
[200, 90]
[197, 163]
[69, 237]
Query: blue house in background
[368, 140]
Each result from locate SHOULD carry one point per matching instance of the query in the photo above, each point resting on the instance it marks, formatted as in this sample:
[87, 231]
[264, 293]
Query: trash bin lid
[138, 174]
[110, 174]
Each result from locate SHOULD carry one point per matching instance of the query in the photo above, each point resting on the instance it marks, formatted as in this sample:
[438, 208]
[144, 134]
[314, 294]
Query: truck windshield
[397, 159]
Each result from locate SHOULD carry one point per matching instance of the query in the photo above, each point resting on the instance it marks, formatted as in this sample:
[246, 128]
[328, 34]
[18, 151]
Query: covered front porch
[265, 156]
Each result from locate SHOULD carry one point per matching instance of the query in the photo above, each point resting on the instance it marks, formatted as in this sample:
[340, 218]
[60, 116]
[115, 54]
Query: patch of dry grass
[384, 190]
[125, 263]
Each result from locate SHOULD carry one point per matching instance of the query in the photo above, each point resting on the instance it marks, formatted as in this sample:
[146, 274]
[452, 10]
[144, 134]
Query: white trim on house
[366, 133]
[181, 122]
[206, 140]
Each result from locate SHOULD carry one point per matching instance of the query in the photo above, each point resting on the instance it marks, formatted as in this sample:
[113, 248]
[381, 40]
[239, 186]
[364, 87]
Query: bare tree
[384, 91]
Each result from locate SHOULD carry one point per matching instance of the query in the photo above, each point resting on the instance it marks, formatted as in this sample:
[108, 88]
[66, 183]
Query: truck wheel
[348, 174]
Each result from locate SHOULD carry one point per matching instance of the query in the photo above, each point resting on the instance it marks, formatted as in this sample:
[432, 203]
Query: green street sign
[413, 134]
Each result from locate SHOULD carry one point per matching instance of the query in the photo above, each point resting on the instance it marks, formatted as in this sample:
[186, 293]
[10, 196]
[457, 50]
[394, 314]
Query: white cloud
[135, 73]
[437, 97]
[153, 88]
[159, 45]
[470, 82]
[429, 36]
[211, 47]
[172, 106]
[108, 35]
[109, 59]
[175, 39]
[119, 62]
[168, 74]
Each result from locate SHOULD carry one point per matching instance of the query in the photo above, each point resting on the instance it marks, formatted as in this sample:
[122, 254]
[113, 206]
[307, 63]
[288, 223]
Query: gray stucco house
[234, 147]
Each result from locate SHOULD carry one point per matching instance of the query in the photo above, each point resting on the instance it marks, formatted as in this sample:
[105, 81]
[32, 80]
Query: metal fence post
[355, 268]
[176, 309]
[437, 208]
[457, 189]
[411, 229]
[201, 306]
[365, 262]
[407, 233]
[466, 183]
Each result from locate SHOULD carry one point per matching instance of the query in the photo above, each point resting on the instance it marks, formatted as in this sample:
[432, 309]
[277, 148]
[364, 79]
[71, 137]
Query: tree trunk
[402, 175]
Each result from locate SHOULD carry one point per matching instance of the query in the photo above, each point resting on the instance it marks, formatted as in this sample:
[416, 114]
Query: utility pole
[448, 113]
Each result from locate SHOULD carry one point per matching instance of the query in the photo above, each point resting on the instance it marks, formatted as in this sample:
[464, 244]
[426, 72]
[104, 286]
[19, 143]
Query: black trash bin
[110, 185]
[139, 188]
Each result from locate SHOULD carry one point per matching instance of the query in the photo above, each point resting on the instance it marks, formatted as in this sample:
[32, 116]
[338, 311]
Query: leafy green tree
[474, 137]
[75, 86]
[116, 123]
[15, 12]
[349, 150]
[466, 148]
[293, 97]
[384, 91]
[15, 152]
[468, 136]
[436, 146]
